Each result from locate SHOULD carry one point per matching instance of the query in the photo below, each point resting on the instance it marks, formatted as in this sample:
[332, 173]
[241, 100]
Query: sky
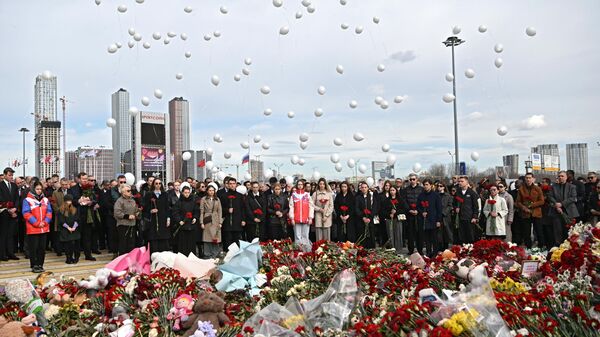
[545, 91]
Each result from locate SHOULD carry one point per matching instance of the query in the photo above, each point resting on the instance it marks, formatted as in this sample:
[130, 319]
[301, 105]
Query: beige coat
[323, 210]
[124, 207]
[212, 231]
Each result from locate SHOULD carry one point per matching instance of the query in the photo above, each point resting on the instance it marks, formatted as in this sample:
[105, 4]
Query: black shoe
[97, 252]
[27, 256]
[13, 257]
[3, 258]
[76, 260]
[41, 269]
[36, 269]
[59, 254]
[90, 258]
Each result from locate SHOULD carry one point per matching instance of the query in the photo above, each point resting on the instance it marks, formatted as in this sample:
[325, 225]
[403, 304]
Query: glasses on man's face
[412, 179]
[158, 183]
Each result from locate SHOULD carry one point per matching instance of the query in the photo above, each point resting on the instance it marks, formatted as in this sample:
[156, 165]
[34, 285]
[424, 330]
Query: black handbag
[208, 219]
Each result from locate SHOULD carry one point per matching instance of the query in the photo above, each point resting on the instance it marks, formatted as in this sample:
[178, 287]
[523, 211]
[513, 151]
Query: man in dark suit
[9, 199]
[256, 204]
[467, 210]
[234, 213]
[86, 207]
[564, 202]
[367, 208]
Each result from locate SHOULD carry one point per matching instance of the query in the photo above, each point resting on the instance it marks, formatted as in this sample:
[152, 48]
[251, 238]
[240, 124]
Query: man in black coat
[580, 188]
[256, 208]
[467, 210]
[414, 228]
[86, 205]
[9, 199]
[367, 208]
[234, 214]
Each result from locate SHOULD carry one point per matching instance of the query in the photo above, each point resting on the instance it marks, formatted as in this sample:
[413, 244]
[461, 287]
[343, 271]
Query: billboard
[536, 161]
[153, 158]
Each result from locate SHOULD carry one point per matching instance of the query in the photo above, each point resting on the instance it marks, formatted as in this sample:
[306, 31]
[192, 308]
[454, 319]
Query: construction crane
[64, 102]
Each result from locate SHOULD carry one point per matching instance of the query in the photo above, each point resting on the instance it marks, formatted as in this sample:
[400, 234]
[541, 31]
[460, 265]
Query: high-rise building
[97, 162]
[47, 147]
[152, 146]
[577, 158]
[549, 158]
[179, 122]
[71, 164]
[47, 134]
[257, 170]
[122, 135]
[512, 162]
[196, 166]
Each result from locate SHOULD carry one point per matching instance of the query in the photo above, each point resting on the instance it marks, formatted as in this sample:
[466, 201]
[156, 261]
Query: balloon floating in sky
[335, 158]
[502, 131]
[47, 74]
[530, 31]
[380, 67]
[301, 161]
[398, 99]
[384, 105]
[362, 168]
[122, 8]
[244, 145]
[183, 36]
[188, 54]
[456, 30]
[498, 48]
[119, 45]
[210, 152]
[449, 77]
[266, 146]
[131, 31]
[112, 48]
[470, 73]
[146, 45]
[207, 37]
[338, 142]
[179, 76]
[171, 34]
[299, 15]
[482, 29]
[267, 112]
[344, 26]
[303, 137]
[277, 3]
[291, 114]
[247, 61]
[129, 178]
[209, 164]
[390, 159]
[187, 9]
[133, 111]
[378, 100]
[474, 156]
[186, 156]
[217, 33]
[338, 167]
[265, 90]
[137, 37]
[306, 3]
[343, 2]
[359, 29]
[416, 167]
[311, 9]
[156, 36]
[227, 155]
[241, 189]
[370, 181]
[223, 10]
[318, 112]
[139, 1]
[284, 30]
[385, 147]
[246, 71]
[303, 145]
[130, 44]
[98, 2]
[448, 98]
[359, 137]
[340, 69]
[237, 77]
[215, 80]
[375, 20]
[158, 93]
[221, 175]
[111, 122]
[145, 101]
[268, 173]
[353, 104]
[321, 90]
[498, 62]
[216, 137]
[166, 41]
[295, 159]
[351, 163]
[257, 139]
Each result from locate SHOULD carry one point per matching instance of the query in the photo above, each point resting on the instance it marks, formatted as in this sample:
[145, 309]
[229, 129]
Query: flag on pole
[246, 158]
[202, 163]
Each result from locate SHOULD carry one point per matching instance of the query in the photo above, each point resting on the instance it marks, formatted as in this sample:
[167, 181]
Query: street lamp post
[451, 42]
[23, 130]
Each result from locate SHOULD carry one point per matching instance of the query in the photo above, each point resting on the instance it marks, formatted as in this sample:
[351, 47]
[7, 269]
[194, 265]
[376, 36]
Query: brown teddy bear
[208, 307]
[57, 296]
[16, 329]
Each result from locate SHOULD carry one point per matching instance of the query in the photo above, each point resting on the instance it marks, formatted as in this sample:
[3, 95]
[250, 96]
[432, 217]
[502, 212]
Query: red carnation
[189, 215]
[491, 201]
[413, 206]
[258, 212]
[367, 211]
[394, 202]
[546, 188]
[459, 199]
[323, 201]
[277, 206]
[344, 208]
[425, 204]
[231, 197]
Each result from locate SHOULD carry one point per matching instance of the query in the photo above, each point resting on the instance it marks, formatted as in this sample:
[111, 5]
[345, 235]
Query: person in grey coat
[125, 213]
[563, 206]
[445, 234]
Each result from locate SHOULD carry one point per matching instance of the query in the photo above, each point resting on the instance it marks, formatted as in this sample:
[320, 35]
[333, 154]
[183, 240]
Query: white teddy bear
[100, 280]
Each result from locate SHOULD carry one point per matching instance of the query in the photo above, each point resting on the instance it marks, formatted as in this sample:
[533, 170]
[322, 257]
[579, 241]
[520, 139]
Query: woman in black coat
[185, 215]
[158, 217]
[344, 205]
[393, 212]
[278, 208]
[198, 231]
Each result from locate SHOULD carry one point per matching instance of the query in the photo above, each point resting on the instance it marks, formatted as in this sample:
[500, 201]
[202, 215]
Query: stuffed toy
[23, 292]
[126, 330]
[101, 279]
[57, 296]
[465, 269]
[181, 310]
[17, 329]
[448, 255]
[205, 329]
[209, 307]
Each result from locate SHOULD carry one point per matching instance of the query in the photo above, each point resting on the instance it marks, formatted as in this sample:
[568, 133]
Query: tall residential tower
[122, 132]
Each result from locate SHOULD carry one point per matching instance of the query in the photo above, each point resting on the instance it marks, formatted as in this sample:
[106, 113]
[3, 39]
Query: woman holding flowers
[125, 212]
[158, 217]
[211, 221]
[394, 212]
[323, 201]
[277, 209]
[302, 211]
[185, 214]
[344, 210]
[495, 211]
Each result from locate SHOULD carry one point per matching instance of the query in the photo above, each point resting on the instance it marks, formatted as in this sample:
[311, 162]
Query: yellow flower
[556, 254]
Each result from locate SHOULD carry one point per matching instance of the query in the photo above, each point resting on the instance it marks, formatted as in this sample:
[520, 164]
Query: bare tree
[437, 171]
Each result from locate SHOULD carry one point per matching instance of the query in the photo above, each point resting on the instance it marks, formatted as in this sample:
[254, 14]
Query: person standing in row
[467, 208]
[57, 201]
[429, 204]
[445, 237]
[278, 208]
[414, 229]
[345, 213]
[394, 208]
[323, 201]
[234, 214]
[367, 208]
[125, 213]
[85, 201]
[510, 203]
[9, 200]
[37, 213]
[495, 211]
[257, 213]
[70, 235]
[185, 214]
[301, 214]
[158, 217]
[211, 222]
[529, 201]
[564, 207]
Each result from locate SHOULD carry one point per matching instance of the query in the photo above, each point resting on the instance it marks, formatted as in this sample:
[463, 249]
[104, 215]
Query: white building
[122, 132]
[179, 121]
[577, 158]
[47, 148]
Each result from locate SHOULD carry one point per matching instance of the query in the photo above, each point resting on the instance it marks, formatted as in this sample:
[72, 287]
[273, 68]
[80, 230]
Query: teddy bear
[57, 296]
[208, 307]
[100, 279]
[16, 329]
[467, 269]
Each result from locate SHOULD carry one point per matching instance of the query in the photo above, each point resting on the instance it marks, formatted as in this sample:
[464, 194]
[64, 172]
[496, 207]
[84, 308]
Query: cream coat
[323, 211]
[496, 226]
[212, 231]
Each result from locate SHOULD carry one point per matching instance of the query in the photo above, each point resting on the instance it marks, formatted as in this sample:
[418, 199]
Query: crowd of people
[205, 218]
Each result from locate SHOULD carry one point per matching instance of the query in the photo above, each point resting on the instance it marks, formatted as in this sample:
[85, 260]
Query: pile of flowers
[560, 298]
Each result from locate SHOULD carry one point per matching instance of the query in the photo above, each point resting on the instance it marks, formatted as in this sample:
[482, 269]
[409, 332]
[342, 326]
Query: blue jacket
[434, 209]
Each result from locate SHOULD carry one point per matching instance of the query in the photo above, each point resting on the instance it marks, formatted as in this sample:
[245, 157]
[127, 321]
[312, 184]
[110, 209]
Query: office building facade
[511, 161]
[47, 148]
[122, 132]
[577, 158]
[179, 122]
[196, 166]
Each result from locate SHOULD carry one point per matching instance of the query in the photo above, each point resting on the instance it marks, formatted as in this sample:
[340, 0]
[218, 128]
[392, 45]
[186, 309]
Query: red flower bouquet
[189, 215]
[413, 206]
[491, 201]
[258, 212]
[425, 204]
[344, 209]
[367, 212]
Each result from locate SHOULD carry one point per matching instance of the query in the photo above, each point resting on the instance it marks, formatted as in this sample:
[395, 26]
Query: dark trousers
[466, 231]
[21, 233]
[126, 239]
[186, 242]
[414, 231]
[559, 229]
[229, 237]
[382, 235]
[8, 231]
[159, 246]
[56, 244]
[522, 232]
[276, 231]
[103, 229]
[111, 234]
[71, 249]
[87, 237]
[36, 244]
[431, 241]
[365, 233]
[251, 231]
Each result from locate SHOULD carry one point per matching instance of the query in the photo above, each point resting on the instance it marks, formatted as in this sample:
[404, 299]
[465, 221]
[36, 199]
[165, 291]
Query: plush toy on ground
[209, 307]
[101, 279]
[16, 329]
[181, 311]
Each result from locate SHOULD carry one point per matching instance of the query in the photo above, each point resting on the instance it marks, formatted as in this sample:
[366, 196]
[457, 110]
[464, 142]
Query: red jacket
[37, 214]
[301, 208]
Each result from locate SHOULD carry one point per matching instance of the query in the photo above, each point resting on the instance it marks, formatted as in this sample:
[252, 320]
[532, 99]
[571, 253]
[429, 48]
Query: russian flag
[202, 163]
[246, 158]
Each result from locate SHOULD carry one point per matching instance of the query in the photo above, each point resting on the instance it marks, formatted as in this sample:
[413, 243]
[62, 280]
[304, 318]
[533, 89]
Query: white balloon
[166, 41]
[187, 9]
[247, 176]
[456, 30]
[448, 98]
[131, 31]
[183, 36]
[210, 151]
[353, 104]
[474, 156]
[220, 140]
[122, 8]
[277, 3]
[316, 175]
[266, 146]
[119, 45]
[137, 37]
[244, 145]
[378, 100]
[370, 181]
[502, 130]
[311, 9]
[303, 137]
[390, 159]
[385, 104]
[338, 167]
[398, 99]
[295, 159]
[358, 137]
[338, 142]
[217, 33]
[246, 71]
[171, 34]
[530, 31]
[257, 139]
[284, 30]
[156, 36]
[301, 161]
[179, 76]
[470, 73]
[299, 15]
[130, 44]
[267, 112]
[291, 114]
[215, 80]
[306, 3]
[449, 77]
[216, 170]
[112, 48]
[344, 26]
[146, 45]
[133, 111]
[223, 10]
[375, 20]
[335, 158]
[318, 112]
[47, 74]
[482, 29]
[98, 2]
[303, 145]
[289, 180]
[416, 167]
[498, 62]
[380, 67]
[129, 178]
[340, 69]
[216, 137]
[227, 155]
[209, 165]
[241, 189]
[268, 173]
[343, 2]
[145, 101]
[158, 93]
[321, 90]
[207, 37]
[247, 61]
[139, 1]
[498, 48]
[186, 156]
[111, 122]
[265, 90]
[359, 29]
[362, 168]
[221, 175]
[237, 77]
[351, 163]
